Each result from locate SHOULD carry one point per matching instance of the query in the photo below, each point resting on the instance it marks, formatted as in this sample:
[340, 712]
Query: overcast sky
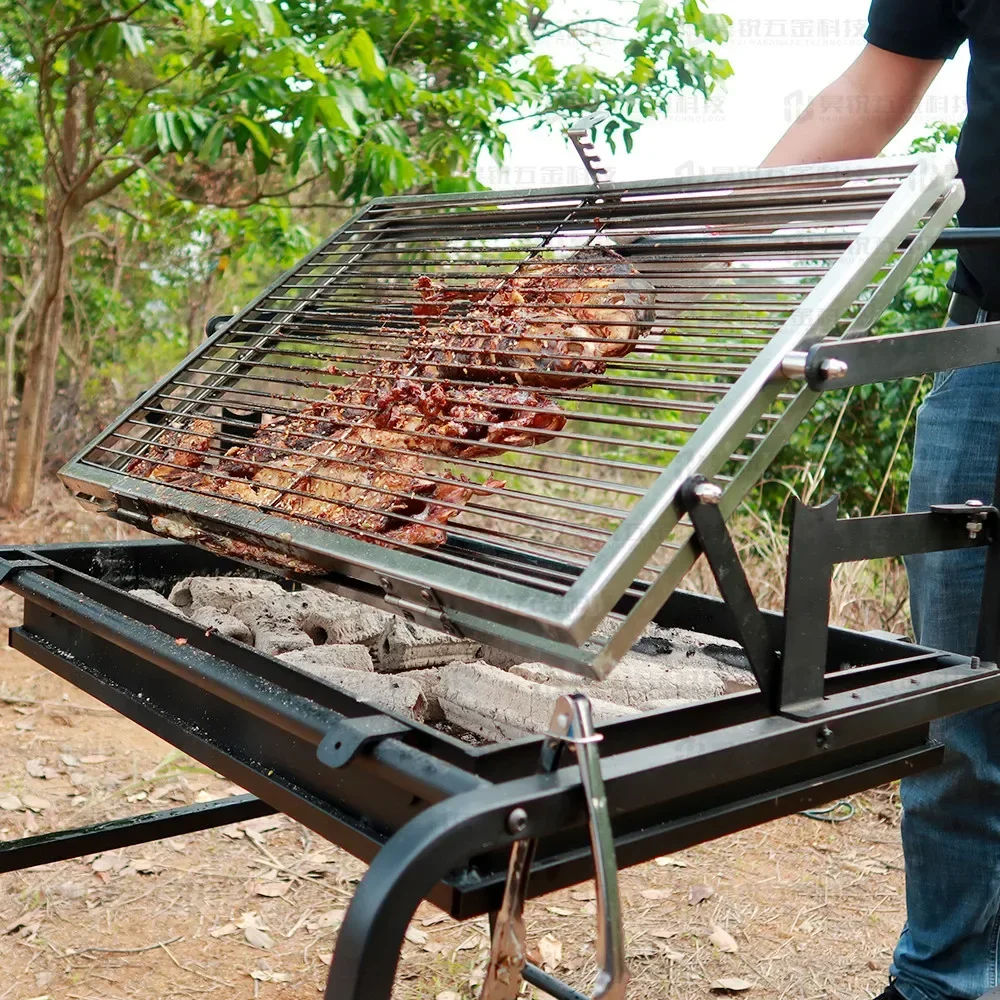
[783, 52]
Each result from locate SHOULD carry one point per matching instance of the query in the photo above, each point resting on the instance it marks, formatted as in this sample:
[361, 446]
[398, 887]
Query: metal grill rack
[749, 271]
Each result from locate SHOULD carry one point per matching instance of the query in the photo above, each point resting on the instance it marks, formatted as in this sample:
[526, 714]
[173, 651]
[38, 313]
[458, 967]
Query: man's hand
[858, 114]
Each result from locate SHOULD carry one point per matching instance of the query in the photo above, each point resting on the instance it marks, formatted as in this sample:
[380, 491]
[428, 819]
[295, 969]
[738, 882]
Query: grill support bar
[99, 838]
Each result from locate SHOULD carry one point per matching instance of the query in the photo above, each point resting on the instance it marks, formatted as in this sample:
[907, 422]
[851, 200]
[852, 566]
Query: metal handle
[572, 726]
[573, 723]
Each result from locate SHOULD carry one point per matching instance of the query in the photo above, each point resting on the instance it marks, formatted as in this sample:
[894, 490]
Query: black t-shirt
[934, 29]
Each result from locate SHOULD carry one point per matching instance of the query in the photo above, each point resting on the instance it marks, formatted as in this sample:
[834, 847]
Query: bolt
[973, 503]
[974, 663]
[386, 583]
[708, 493]
[408, 615]
[833, 369]
[426, 595]
[823, 737]
[517, 821]
[974, 528]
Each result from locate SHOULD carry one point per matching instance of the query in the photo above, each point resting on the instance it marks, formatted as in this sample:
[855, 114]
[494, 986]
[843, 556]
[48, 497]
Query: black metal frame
[411, 800]
[433, 815]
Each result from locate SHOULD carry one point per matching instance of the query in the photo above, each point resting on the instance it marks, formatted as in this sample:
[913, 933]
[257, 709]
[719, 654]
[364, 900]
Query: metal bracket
[349, 736]
[572, 726]
[975, 513]
[701, 501]
[579, 135]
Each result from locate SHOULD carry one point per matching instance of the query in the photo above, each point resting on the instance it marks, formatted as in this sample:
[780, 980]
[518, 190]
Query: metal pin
[833, 369]
[793, 364]
[708, 493]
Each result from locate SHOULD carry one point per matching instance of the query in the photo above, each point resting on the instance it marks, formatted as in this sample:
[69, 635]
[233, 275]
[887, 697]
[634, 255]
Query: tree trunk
[40, 368]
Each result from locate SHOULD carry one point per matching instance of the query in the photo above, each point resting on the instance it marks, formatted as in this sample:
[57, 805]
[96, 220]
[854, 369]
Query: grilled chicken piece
[366, 472]
[185, 447]
[358, 458]
[552, 324]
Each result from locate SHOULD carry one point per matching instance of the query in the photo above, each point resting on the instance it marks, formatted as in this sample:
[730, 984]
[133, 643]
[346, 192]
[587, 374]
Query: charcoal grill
[751, 271]
[481, 829]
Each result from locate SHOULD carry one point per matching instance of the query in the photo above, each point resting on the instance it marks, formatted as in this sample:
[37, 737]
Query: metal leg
[65, 844]
[413, 861]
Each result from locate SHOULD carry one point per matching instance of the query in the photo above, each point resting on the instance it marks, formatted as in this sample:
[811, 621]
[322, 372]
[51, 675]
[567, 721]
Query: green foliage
[194, 148]
[859, 443]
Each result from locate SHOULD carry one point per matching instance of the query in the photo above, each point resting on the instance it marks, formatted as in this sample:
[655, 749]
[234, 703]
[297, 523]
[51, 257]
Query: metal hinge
[431, 609]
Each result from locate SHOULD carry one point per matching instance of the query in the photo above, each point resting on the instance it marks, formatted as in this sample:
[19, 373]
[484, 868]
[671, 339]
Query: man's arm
[858, 114]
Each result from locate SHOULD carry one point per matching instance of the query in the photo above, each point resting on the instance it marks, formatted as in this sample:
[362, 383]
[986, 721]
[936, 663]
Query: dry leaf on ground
[266, 976]
[272, 889]
[731, 985]
[672, 861]
[258, 938]
[723, 940]
[551, 950]
[699, 893]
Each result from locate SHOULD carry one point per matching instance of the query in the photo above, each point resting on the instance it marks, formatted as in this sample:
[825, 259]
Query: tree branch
[61, 37]
[94, 191]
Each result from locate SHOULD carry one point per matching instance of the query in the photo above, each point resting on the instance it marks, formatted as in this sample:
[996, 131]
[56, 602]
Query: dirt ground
[797, 909]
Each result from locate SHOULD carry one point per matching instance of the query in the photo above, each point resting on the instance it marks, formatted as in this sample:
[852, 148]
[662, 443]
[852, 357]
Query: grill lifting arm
[572, 726]
[843, 364]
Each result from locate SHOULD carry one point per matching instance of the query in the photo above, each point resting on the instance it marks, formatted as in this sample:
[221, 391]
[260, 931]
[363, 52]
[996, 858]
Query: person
[950, 944]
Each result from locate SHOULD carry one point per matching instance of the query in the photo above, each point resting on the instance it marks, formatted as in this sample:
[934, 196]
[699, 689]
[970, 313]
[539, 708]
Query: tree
[242, 102]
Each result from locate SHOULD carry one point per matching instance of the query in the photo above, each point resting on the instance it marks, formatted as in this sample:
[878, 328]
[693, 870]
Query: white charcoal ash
[316, 659]
[406, 646]
[274, 622]
[345, 622]
[157, 600]
[498, 657]
[429, 680]
[220, 592]
[212, 619]
[400, 695]
[637, 681]
[499, 705]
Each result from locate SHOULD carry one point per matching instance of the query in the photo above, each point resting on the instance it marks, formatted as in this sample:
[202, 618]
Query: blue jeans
[951, 815]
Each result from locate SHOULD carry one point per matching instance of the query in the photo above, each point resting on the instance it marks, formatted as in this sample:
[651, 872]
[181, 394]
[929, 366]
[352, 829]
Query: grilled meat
[364, 459]
[550, 324]
[365, 472]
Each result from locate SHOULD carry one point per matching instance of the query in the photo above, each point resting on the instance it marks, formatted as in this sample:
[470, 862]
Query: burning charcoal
[391, 694]
[221, 592]
[316, 659]
[274, 623]
[498, 657]
[338, 620]
[501, 706]
[430, 682]
[638, 681]
[218, 621]
[157, 600]
[405, 646]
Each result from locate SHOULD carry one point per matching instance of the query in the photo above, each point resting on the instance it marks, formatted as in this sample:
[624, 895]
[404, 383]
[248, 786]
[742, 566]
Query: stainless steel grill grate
[553, 526]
